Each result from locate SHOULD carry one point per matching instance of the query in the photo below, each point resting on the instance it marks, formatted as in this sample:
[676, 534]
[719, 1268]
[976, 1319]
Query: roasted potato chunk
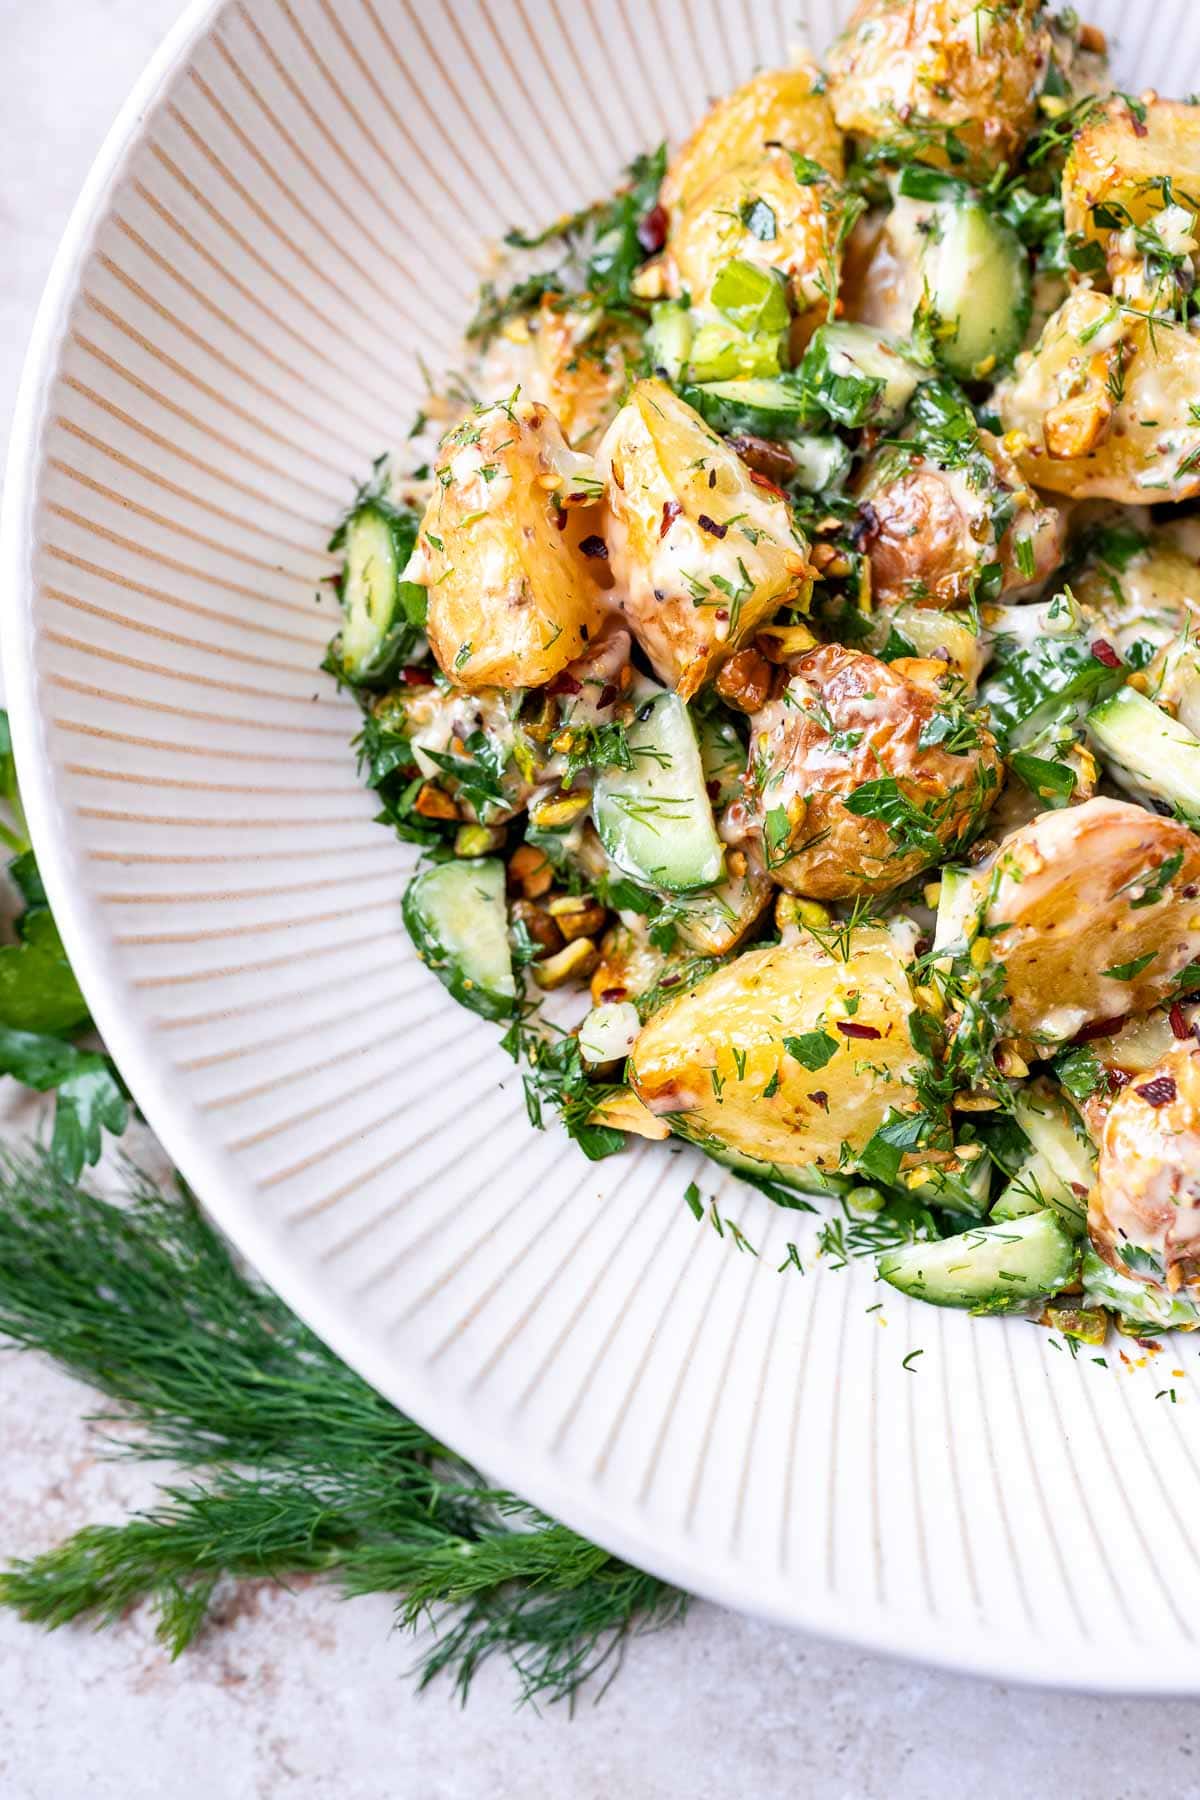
[1103, 405]
[716, 1059]
[1144, 1212]
[931, 530]
[761, 213]
[860, 777]
[1092, 912]
[918, 70]
[700, 553]
[570, 358]
[510, 602]
[780, 106]
[1123, 163]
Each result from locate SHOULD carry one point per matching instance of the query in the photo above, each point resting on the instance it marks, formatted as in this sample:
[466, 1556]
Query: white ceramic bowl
[286, 214]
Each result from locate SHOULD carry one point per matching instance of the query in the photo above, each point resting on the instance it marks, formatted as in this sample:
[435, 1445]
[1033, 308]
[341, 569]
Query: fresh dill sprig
[295, 1464]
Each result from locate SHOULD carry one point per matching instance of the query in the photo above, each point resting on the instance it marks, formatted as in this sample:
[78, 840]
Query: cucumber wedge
[991, 1269]
[822, 463]
[668, 340]
[778, 408]
[1036, 1187]
[1150, 1308]
[654, 819]
[804, 1183]
[1050, 1128]
[976, 271]
[457, 919]
[1149, 751]
[384, 615]
[858, 375]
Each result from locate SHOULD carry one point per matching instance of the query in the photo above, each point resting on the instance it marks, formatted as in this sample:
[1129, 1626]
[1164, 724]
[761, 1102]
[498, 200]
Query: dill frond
[299, 1466]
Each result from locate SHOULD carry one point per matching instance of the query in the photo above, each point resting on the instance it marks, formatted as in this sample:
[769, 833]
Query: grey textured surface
[302, 1696]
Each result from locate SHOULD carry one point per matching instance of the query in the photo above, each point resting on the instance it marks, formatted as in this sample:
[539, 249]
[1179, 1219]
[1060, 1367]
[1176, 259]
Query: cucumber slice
[976, 272]
[721, 352]
[858, 375]
[959, 903]
[966, 1193]
[804, 1183]
[991, 1268]
[822, 463]
[669, 339]
[1138, 1304]
[1050, 1128]
[384, 615]
[766, 409]
[723, 756]
[457, 920]
[654, 819]
[1037, 1188]
[1149, 752]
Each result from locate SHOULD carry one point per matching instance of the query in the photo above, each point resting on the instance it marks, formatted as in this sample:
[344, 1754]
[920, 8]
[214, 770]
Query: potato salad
[781, 637]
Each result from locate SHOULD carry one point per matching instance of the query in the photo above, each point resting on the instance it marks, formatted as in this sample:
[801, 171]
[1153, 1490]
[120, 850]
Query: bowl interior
[289, 218]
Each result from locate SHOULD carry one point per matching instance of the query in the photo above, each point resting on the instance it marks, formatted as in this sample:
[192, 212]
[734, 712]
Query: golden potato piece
[715, 1059]
[1147, 1193]
[510, 602]
[780, 106]
[701, 551]
[1120, 161]
[931, 530]
[860, 778]
[1093, 912]
[760, 213]
[572, 358]
[1143, 377]
[916, 70]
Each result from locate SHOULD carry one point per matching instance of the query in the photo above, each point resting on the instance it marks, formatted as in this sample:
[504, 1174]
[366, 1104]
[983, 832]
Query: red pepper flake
[1099, 1028]
[652, 230]
[1179, 1024]
[608, 694]
[610, 996]
[1119, 1078]
[1103, 652]
[711, 526]
[595, 547]
[416, 677]
[851, 1028]
[671, 511]
[1159, 1092]
[721, 613]
[713, 790]
[821, 1098]
[564, 683]
[762, 481]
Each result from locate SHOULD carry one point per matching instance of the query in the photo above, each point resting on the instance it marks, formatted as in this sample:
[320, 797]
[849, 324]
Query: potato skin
[1063, 909]
[674, 492]
[780, 106]
[510, 602]
[710, 1056]
[847, 719]
[909, 69]
[1068, 431]
[1147, 1190]
[930, 532]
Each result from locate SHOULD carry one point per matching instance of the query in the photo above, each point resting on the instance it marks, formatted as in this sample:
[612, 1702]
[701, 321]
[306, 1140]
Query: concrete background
[304, 1696]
